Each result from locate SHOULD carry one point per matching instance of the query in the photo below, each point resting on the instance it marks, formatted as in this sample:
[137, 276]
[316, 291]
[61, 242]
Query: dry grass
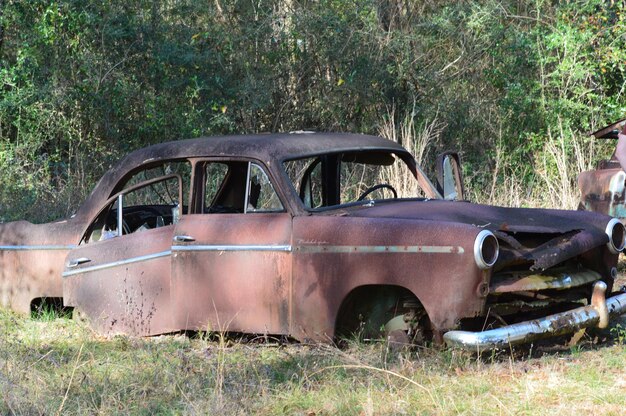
[560, 166]
[552, 179]
[548, 181]
[59, 366]
[417, 139]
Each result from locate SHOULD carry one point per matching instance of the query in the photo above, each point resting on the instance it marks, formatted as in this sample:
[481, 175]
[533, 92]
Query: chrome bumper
[594, 315]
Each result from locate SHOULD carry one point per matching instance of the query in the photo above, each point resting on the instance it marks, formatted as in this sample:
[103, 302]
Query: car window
[261, 194]
[238, 187]
[147, 205]
[306, 175]
[214, 173]
[163, 192]
[180, 167]
[344, 178]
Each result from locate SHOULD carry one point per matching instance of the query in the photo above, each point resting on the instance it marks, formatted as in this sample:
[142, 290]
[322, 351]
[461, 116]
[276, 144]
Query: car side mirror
[449, 178]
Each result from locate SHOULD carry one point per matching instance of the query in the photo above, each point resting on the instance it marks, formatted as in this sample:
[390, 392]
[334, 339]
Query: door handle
[75, 262]
[184, 239]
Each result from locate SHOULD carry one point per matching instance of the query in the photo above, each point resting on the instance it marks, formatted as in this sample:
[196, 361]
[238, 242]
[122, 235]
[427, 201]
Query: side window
[161, 193]
[224, 187]
[261, 194]
[306, 175]
[170, 167]
[238, 187]
[215, 175]
[147, 205]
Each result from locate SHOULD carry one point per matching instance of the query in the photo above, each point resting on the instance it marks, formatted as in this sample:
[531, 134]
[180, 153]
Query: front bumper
[594, 315]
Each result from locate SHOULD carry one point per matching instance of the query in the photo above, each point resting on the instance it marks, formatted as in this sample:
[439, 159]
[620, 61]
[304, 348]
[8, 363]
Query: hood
[541, 237]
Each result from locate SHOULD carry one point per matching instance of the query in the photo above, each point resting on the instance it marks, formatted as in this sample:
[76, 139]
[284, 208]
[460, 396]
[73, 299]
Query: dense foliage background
[512, 85]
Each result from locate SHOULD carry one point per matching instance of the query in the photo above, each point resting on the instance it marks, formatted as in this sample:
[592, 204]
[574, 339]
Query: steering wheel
[376, 187]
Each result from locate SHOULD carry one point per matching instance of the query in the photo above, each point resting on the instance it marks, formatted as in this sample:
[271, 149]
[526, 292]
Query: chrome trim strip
[324, 249]
[278, 248]
[247, 196]
[41, 247]
[120, 214]
[117, 263]
[379, 249]
[285, 248]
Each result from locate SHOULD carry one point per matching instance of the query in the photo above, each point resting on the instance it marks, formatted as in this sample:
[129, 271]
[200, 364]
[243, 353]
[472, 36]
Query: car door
[231, 260]
[119, 276]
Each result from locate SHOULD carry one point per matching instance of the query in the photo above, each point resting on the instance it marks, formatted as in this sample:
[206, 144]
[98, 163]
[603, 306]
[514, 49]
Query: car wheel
[388, 314]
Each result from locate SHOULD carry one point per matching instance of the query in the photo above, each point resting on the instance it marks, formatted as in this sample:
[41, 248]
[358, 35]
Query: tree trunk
[2, 5]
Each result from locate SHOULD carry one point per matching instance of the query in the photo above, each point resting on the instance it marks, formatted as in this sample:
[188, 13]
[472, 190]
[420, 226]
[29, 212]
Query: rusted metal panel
[233, 273]
[549, 236]
[603, 191]
[435, 263]
[512, 220]
[122, 285]
[31, 260]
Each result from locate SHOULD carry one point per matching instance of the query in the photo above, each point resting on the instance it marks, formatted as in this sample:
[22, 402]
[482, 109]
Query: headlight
[486, 249]
[615, 231]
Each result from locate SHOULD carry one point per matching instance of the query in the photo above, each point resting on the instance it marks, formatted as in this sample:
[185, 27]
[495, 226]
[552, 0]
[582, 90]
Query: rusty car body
[602, 189]
[312, 236]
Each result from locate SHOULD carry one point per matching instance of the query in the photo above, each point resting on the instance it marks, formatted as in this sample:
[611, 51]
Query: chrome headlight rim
[486, 249]
[613, 236]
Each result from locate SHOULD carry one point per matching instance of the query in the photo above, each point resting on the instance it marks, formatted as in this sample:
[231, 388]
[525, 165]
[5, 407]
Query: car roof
[275, 147]
[280, 146]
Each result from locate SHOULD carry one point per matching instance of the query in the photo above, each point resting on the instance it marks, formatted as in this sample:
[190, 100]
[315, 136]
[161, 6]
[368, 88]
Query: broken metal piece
[598, 301]
[557, 324]
[602, 189]
[609, 132]
[529, 283]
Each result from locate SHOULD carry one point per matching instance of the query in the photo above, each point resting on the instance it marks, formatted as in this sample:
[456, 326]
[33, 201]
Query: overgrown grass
[553, 173]
[59, 366]
[548, 180]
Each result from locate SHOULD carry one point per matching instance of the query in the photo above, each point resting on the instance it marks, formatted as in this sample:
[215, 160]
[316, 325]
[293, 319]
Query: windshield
[343, 178]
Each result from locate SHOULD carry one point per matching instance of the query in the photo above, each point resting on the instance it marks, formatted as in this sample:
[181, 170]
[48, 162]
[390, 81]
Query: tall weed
[419, 139]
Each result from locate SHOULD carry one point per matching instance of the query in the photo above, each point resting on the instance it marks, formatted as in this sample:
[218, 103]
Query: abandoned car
[312, 236]
[602, 189]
